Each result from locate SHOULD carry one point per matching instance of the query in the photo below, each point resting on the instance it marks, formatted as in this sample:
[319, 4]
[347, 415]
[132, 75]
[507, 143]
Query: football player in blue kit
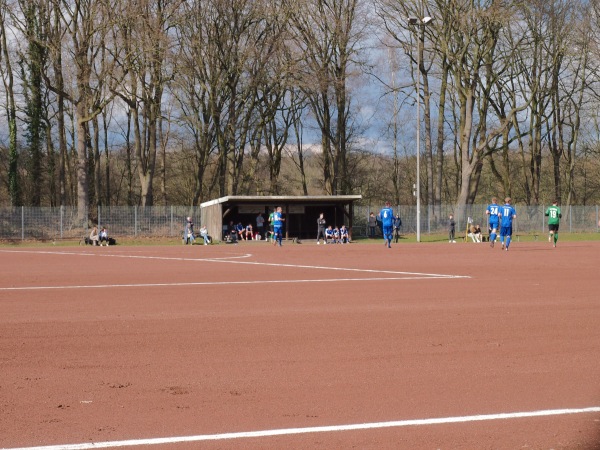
[278, 226]
[492, 211]
[507, 214]
[387, 223]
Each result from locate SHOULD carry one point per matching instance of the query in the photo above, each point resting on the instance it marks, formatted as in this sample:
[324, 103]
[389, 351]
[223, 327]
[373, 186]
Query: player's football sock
[555, 238]
[507, 242]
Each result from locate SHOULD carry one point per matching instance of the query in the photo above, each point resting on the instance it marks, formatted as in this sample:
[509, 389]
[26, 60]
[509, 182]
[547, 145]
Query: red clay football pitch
[421, 346]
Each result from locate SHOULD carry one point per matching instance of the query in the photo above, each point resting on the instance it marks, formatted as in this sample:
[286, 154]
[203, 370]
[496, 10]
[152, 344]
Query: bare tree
[55, 38]
[147, 42]
[201, 90]
[570, 80]
[297, 108]
[85, 23]
[31, 18]
[417, 41]
[476, 62]
[279, 107]
[328, 35]
[14, 187]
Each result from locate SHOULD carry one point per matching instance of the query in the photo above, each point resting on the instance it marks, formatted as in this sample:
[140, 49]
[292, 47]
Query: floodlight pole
[421, 31]
[419, 137]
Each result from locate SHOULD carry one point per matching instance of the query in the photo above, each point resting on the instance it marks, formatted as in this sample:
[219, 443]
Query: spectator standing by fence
[397, 225]
[260, 225]
[372, 225]
[321, 222]
[188, 232]
[451, 229]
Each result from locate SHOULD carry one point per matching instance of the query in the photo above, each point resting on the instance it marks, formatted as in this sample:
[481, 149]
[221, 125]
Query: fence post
[570, 219]
[62, 215]
[171, 228]
[543, 212]
[22, 223]
[428, 219]
[135, 219]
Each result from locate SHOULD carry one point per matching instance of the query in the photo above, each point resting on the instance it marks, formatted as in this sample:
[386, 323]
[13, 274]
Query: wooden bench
[534, 235]
[87, 241]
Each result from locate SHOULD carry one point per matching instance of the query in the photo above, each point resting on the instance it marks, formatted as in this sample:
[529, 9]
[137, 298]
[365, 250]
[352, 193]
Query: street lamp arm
[416, 21]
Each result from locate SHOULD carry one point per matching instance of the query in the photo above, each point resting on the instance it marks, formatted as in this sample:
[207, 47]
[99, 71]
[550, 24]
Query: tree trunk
[82, 165]
[14, 187]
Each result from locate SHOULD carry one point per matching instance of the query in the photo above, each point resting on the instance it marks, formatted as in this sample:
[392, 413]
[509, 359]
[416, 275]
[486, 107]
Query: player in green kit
[554, 216]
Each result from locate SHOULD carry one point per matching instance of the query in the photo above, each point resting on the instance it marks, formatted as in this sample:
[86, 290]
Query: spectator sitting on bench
[329, 235]
[233, 235]
[475, 233]
[204, 234]
[336, 235]
[241, 231]
[104, 237]
[248, 235]
[344, 235]
[94, 236]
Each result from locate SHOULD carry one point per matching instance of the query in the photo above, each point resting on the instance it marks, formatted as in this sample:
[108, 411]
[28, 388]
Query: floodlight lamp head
[413, 20]
[427, 19]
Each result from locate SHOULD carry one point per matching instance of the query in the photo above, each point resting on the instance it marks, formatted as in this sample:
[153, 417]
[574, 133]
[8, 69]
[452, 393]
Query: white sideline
[222, 283]
[323, 429]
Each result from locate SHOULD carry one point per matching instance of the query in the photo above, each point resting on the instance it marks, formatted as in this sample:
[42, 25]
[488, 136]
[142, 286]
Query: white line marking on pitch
[299, 266]
[113, 255]
[221, 283]
[231, 260]
[323, 429]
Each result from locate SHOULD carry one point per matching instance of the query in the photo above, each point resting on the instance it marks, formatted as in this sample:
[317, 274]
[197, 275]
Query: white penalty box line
[399, 275]
[322, 429]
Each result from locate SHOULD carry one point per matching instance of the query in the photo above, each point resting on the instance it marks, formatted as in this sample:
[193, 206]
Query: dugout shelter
[300, 213]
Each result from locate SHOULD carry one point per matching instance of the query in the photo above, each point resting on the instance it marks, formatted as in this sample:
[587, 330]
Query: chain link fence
[121, 221]
[530, 219]
[24, 223]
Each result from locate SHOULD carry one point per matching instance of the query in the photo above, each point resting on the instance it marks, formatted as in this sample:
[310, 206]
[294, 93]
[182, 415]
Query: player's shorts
[506, 231]
[387, 231]
[493, 226]
[277, 230]
[553, 227]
